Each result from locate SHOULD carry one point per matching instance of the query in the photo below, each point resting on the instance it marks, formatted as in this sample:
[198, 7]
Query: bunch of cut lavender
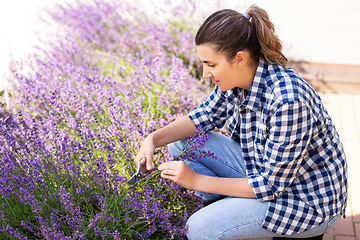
[193, 150]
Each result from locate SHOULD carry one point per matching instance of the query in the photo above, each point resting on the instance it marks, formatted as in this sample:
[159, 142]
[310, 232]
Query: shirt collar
[253, 97]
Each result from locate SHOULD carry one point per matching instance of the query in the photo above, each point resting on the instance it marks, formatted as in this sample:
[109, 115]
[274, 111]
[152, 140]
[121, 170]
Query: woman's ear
[241, 59]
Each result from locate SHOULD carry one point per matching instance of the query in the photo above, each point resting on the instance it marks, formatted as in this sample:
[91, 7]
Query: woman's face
[215, 66]
[223, 73]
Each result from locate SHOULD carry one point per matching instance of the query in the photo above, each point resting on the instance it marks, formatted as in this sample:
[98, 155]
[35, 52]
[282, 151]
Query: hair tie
[246, 15]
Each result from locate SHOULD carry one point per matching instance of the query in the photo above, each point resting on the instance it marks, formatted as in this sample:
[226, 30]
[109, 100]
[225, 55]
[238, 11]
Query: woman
[283, 170]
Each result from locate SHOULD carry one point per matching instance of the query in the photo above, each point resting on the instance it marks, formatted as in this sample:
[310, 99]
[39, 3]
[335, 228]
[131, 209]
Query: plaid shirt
[292, 151]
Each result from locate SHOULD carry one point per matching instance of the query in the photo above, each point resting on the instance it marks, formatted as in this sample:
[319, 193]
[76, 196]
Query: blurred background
[318, 31]
[319, 34]
[321, 31]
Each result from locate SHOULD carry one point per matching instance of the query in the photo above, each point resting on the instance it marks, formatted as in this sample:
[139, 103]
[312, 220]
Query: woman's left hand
[183, 175]
[180, 173]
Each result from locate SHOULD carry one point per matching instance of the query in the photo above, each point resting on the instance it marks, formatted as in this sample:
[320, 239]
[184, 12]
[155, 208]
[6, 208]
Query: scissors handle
[139, 165]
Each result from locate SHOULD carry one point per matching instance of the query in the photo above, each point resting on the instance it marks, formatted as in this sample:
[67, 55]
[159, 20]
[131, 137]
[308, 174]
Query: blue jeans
[231, 217]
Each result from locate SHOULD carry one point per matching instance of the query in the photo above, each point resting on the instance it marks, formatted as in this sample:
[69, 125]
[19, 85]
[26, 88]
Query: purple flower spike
[78, 108]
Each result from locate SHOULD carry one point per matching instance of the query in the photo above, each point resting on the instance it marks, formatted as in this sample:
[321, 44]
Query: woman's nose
[206, 73]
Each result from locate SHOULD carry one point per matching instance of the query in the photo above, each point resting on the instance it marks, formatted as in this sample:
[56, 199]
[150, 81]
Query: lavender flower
[193, 148]
[80, 106]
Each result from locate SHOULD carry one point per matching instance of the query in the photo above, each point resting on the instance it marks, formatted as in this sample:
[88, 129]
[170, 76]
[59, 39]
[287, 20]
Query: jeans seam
[229, 230]
[239, 171]
[233, 168]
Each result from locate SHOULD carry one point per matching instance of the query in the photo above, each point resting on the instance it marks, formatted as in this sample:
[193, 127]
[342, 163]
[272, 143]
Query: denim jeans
[231, 217]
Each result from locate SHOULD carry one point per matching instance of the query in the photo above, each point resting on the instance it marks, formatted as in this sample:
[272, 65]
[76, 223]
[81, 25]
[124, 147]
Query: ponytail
[271, 47]
[229, 31]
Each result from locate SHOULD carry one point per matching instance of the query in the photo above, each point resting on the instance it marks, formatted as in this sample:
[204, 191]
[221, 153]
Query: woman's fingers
[176, 171]
[149, 162]
[146, 151]
[168, 166]
[179, 172]
[168, 173]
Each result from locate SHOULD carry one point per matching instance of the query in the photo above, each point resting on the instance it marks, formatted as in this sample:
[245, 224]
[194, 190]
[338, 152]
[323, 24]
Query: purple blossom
[193, 148]
[75, 215]
[78, 111]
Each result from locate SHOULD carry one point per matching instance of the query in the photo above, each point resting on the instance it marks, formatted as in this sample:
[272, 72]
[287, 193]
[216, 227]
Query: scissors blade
[136, 177]
[133, 179]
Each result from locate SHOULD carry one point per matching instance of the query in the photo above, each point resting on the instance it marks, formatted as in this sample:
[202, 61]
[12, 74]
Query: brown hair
[229, 31]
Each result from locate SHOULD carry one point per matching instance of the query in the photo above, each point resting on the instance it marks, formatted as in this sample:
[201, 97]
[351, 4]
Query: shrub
[77, 116]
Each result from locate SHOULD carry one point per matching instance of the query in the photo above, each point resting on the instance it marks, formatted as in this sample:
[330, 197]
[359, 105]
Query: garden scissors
[133, 181]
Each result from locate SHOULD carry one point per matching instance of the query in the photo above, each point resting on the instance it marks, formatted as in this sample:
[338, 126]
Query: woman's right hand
[147, 150]
[179, 129]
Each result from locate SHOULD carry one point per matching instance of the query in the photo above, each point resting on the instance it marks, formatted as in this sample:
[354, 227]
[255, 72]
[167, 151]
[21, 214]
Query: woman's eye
[209, 65]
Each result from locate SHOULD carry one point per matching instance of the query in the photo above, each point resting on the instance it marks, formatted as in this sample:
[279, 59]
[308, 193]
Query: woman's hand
[181, 128]
[183, 175]
[147, 150]
[180, 173]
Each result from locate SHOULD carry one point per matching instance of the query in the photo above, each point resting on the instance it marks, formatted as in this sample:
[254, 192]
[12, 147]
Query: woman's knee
[198, 228]
[229, 218]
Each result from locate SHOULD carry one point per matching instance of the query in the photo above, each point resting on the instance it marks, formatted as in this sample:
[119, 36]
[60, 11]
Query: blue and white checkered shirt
[292, 151]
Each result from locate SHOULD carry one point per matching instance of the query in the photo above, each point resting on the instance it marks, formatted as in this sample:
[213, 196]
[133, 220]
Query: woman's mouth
[215, 81]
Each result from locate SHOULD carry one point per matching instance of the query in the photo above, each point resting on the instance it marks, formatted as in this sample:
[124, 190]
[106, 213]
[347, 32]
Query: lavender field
[79, 109]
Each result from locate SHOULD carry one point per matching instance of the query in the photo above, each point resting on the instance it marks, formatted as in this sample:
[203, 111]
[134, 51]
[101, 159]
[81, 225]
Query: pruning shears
[133, 181]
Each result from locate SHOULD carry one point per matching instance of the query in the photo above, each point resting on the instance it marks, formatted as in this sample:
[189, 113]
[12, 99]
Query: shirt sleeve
[289, 131]
[212, 112]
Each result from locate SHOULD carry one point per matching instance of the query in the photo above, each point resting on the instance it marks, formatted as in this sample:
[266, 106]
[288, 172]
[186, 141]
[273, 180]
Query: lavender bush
[77, 115]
